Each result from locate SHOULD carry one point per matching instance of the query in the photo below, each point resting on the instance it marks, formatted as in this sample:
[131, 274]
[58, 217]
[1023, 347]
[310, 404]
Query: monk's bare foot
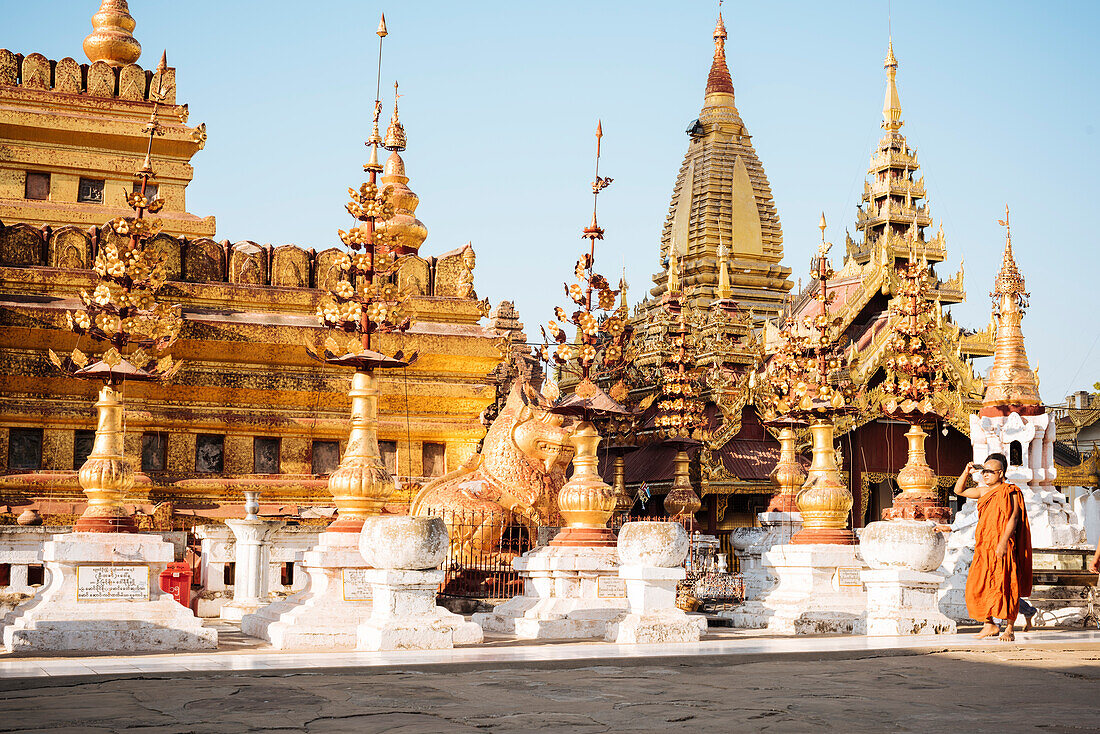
[1007, 636]
[1027, 623]
[988, 630]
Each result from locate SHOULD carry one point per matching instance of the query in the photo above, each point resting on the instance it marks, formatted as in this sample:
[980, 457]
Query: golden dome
[111, 39]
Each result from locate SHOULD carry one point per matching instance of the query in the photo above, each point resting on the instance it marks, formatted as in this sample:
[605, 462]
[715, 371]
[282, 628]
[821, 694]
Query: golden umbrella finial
[382, 32]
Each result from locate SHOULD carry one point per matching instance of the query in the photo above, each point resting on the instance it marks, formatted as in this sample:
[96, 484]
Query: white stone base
[654, 617]
[903, 602]
[56, 619]
[563, 595]
[318, 617]
[405, 615]
[808, 598]
[235, 611]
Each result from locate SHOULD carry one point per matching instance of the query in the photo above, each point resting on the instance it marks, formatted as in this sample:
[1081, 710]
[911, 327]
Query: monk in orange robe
[1001, 570]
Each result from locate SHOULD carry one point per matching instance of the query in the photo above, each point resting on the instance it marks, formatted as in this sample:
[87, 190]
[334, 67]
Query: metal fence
[484, 544]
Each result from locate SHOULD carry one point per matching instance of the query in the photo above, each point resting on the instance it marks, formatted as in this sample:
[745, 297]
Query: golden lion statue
[514, 480]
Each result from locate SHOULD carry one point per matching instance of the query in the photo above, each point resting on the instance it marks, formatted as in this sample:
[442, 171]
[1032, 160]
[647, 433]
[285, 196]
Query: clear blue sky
[500, 100]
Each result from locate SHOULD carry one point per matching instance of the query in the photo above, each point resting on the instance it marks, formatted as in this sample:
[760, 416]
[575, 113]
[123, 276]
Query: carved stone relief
[70, 247]
[204, 262]
[248, 264]
[66, 76]
[20, 245]
[36, 72]
[101, 80]
[327, 274]
[290, 267]
[413, 276]
[168, 247]
[131, 83]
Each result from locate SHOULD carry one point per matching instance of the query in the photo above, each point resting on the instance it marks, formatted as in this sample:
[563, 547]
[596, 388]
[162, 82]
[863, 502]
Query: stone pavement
[1048, 683]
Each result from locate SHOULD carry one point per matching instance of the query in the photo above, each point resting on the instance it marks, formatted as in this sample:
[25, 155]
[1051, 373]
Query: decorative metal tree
[586, 502]
[123, 314]
[809, 378]
[680, 420]
[914, 375]
[364, 302]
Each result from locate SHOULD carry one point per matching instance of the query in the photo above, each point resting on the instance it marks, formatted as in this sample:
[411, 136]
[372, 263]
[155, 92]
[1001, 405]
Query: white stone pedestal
[326, 614]
[901, 601]
[818, 591]
[103, 594]
[653, 616]
[568, 593]
[250, 574]
[405, 615]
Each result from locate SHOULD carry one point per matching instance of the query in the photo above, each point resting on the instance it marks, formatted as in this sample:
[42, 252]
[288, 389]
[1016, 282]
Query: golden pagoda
[722, 198]
[1011, 386]
[868, 290]
[251, 410]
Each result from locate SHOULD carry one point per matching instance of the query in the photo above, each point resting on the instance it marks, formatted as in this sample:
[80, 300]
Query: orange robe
[994, 585]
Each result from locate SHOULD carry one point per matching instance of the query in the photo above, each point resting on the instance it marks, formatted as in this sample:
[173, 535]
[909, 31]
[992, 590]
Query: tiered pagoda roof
[894, 218]
[722, 198]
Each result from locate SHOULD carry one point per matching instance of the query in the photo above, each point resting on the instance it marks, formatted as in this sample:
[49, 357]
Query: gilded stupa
[722, 198]
[1011, 385]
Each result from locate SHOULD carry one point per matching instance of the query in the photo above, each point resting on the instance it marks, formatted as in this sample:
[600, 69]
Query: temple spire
[719, 81]
[1011, 384]
[891, 106]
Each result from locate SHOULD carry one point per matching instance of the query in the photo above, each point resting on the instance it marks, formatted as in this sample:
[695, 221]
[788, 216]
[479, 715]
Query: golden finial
[823, 248]
[1009, 281]
[373, 166]
[891, 106]
[111, 39]
[395, 133]
[622, 290]
[719, 81]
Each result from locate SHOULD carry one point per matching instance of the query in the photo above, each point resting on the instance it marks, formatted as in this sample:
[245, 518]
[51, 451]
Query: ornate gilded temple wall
[250, 401]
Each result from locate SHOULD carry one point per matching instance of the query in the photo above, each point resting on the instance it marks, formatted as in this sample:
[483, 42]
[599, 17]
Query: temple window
[265, 455]
[286, 576]
[25, 448]
[210, 453]
[150, 189]
[37, 186]
[435, 459]
[90, 190]
[326, 456]
[229, 574]
[36, 574]
[83, 441]
[154, 451]
[388, 449]
[1015, 454]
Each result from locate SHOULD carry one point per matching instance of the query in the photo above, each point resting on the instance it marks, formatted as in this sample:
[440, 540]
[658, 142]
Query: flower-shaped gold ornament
[914, 367]
[366, 298]
[122, 310]
[809, 376]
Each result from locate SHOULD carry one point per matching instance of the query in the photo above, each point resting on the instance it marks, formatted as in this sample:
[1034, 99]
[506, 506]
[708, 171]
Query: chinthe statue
[514, 480]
